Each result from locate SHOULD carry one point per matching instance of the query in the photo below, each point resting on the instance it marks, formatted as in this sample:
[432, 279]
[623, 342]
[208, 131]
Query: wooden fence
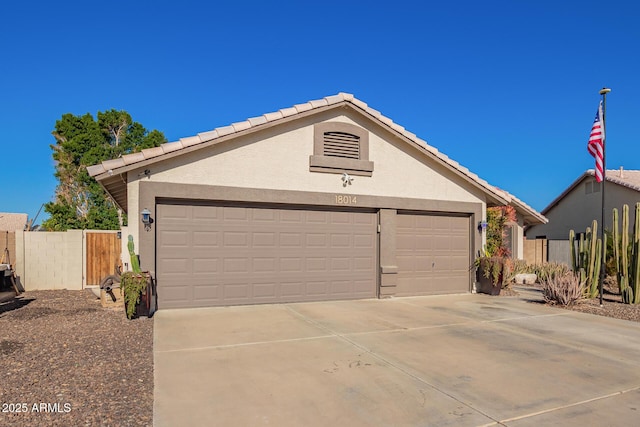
[102, 255]
[535, 251]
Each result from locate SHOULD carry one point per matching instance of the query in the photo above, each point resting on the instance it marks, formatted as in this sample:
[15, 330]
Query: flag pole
[604, 91]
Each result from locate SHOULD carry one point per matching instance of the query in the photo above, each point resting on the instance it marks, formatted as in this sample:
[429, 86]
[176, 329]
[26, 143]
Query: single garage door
[433, 254]
[229, 255]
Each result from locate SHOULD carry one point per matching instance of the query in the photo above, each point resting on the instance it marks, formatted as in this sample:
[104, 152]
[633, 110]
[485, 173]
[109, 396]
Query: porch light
[482, 225]
[146, 219]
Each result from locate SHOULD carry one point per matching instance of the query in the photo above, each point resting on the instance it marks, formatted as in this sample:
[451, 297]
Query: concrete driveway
[459, 360]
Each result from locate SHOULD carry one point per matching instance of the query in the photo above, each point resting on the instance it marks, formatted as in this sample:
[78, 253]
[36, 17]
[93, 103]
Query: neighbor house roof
[625, 178]
[13, 221]
[112, 173]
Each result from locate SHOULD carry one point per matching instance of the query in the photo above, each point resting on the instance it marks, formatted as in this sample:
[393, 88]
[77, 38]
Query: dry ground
[66, 361]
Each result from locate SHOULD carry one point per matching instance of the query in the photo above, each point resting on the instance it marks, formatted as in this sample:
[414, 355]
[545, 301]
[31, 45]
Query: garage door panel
[235, 238]
[291, 216]
[238, 255]
[433, 253]
[209, 291]
[176, 239]
[206, 266]
[264, 265]
[235, 265]
[364, 241]
[316, 264]
[175, 212]
[317, 288]
[340, 241]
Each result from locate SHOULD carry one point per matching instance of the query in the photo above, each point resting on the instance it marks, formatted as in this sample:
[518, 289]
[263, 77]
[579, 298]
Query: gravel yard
[67, 361]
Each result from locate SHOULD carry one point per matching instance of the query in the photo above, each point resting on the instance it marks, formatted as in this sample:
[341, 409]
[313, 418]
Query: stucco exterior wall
[577, 210]
[280, 161]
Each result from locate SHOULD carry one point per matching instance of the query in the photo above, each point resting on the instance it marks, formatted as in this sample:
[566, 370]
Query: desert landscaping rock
[66, 361]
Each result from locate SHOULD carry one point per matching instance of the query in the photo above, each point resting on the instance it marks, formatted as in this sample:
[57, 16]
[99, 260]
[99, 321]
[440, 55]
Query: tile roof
[626, 178]
[143, 158]
[13, 221]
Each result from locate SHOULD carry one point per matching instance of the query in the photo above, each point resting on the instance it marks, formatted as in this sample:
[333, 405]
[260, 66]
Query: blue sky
[507, 88]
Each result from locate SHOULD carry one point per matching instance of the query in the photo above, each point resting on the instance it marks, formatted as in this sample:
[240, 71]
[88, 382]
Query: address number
[344, 199]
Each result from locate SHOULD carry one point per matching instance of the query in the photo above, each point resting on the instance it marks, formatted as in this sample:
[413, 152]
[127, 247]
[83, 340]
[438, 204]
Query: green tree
[80, 202]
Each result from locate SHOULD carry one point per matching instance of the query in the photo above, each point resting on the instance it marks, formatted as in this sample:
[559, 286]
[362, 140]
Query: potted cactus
[136, 287]
[491, 274]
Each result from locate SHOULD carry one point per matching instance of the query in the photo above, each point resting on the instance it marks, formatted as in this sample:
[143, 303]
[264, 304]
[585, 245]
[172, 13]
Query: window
[591, 187]
[339, 148]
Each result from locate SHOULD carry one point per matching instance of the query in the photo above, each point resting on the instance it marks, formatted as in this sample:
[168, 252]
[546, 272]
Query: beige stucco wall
[577, 210]
[280, 161]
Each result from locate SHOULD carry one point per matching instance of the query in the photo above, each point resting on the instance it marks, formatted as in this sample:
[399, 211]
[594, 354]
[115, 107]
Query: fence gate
[103, 253]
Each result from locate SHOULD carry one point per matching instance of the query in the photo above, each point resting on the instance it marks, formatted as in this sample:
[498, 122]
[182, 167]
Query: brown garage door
[433, 254]
[228, 255]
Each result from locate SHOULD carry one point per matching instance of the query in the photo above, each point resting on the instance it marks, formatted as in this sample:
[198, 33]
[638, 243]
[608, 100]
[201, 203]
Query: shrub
[564, 289]
[551, 270]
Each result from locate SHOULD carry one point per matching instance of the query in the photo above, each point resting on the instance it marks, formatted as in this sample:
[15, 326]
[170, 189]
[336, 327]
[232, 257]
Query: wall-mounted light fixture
[482, 225]
[346, 179]
[146, 219]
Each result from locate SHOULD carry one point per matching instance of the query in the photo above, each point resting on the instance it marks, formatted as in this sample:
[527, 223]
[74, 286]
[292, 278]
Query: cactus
[135, 263]
[635, 258]
[616, 248]
[572, 248]
[628, 260]
[587, 261]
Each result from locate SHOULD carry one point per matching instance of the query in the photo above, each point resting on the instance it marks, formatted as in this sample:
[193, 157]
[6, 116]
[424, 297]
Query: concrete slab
[322, 382]
[464, 360]
[620, 409]
[206, 327]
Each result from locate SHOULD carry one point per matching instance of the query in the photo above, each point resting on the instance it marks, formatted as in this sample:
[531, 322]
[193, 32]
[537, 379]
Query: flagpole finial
[604, 90]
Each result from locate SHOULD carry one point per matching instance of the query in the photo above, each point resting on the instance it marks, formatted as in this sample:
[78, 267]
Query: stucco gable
[112, 174]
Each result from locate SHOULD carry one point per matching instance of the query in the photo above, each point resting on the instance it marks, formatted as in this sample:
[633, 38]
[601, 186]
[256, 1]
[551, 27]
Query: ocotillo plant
[135, 264]
[586, 262]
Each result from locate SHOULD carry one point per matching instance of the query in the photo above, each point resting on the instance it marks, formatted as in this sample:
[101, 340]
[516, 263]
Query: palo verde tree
[81, 141]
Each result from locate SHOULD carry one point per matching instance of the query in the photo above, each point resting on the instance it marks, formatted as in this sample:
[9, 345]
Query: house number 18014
[345, 199]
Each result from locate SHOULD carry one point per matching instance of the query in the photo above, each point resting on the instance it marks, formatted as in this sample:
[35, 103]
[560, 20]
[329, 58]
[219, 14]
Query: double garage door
[230, 255]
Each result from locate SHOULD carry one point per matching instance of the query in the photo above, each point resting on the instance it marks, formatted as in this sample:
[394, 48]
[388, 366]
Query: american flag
[596, 143]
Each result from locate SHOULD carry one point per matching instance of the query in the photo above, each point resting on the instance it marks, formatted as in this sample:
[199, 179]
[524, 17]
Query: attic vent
[340, 148]
[341, 144]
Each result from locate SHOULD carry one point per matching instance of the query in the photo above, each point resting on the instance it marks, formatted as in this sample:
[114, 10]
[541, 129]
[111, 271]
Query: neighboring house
[325, 200]
[581, 203]
[13, 221]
